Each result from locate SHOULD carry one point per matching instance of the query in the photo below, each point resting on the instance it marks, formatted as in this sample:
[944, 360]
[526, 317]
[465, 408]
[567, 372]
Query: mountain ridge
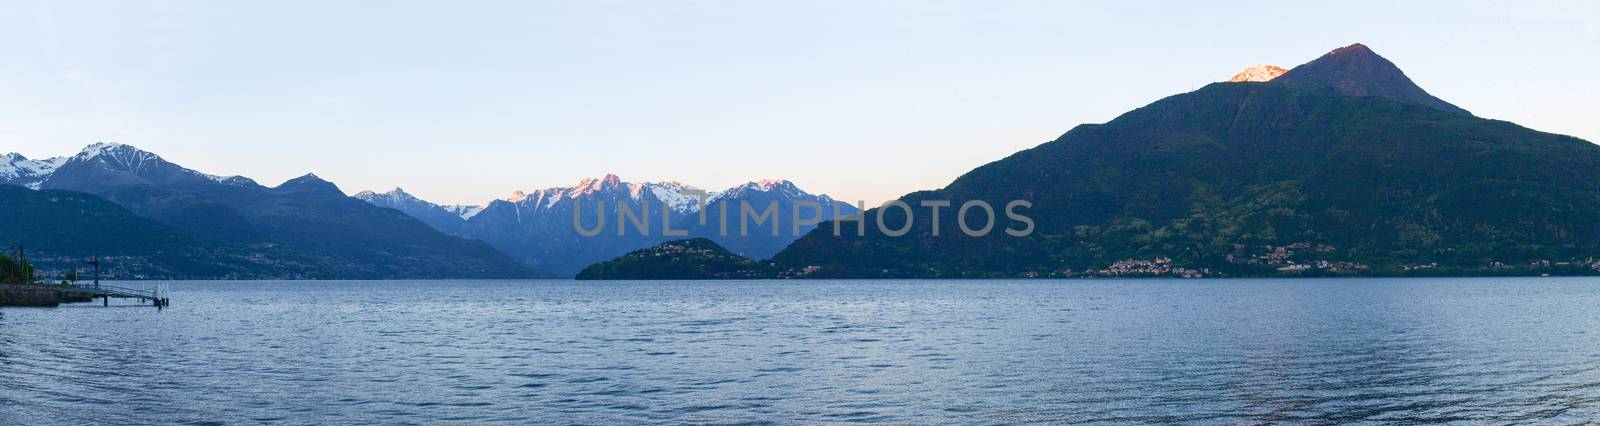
[62, 230]
[1268, 178]
[536, 227]
[303, 228]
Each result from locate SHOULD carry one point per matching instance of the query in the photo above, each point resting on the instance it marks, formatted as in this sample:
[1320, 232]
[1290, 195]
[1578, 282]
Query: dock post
[105, 300]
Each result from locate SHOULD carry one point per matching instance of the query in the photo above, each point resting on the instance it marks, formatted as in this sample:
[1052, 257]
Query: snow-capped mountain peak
[679, 197]
[770, 184]
[98, 148]
[137, 161]
[782, 187]
[401, 200]
[14, 165]
[590, 185]
[16, 169]
[400, 193]
[397, 195]
[125, 157]
[537, 225]
[1258, 73]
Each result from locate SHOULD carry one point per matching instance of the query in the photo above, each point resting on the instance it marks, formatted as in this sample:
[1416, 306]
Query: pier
[19, 286]
[155, 295]
[56, 294]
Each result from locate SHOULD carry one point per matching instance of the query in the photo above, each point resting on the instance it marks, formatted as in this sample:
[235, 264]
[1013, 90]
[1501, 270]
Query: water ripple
[987, 352]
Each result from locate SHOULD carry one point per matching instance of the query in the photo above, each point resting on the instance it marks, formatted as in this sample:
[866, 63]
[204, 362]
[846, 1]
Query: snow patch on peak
[464, 211]
[98, 148]
[781, 186]
[590, 186]
[394, 196]
[683, 199]
[234, 180]
[126, 157]
[401, 200]
[1258, 73]
[137, 161]
[16, 169]
[401, 194]
[17, 163]
[770, 184]
[677, 196]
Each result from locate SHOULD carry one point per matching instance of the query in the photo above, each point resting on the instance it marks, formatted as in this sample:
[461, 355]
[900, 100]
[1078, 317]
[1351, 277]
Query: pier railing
[130, 292]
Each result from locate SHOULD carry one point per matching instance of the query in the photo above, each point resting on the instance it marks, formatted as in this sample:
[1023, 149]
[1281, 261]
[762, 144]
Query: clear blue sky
[461, 102]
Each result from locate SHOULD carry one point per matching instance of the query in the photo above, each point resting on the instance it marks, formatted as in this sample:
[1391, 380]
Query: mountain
[1356, 70]
[758, 241]
[1258, 73]
[1339, 165]
[304, 228]
[448, 219]
[537, 227]
[690, 259]
[20, 171]
[62, 230]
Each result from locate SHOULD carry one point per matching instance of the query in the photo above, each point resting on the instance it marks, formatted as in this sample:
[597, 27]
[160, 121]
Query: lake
[1158, 351]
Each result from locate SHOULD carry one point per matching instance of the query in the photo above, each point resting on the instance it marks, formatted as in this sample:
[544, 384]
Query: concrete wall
[28, 295]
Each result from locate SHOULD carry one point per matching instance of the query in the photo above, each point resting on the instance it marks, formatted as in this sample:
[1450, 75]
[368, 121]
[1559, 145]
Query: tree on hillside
[13, 271]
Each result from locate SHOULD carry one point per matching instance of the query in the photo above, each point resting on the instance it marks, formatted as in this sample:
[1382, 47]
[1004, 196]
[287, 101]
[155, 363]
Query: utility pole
[95, 260]
[27, 270]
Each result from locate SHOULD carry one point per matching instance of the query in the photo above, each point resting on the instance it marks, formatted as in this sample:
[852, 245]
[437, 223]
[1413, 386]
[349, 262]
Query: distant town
[1303, 258]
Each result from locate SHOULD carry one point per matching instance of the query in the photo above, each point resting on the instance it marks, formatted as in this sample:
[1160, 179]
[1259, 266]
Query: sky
[462, 102]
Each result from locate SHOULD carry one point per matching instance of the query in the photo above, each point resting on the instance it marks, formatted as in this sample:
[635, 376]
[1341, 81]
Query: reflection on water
[1481, 350]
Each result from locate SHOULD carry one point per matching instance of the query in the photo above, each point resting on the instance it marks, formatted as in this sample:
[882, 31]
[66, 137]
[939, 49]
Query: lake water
[1223, 351]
